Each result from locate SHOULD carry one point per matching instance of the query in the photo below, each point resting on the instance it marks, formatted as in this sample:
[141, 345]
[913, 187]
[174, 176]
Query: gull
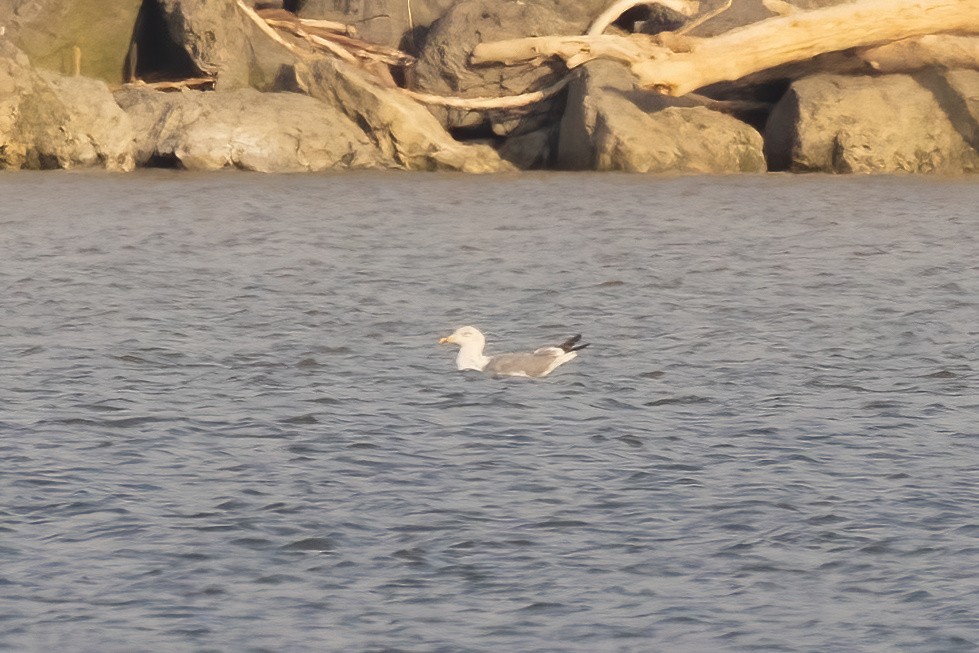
[538, 363]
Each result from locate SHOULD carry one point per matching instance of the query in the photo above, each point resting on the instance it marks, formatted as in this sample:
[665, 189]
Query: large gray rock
[51, 121]
[388, 22]
[536, 150]
[246, 129]
[48, 31]
[443, 66]
[609, 126]
[405, 131]
[894, 123]
[223, 42]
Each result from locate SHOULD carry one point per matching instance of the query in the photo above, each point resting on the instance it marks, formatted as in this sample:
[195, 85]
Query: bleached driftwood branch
[616, 9]
[947, 50]
[490, 103]
[335, 38]
[873, 32]
[680, 65]
[331, 25]
[904, 56]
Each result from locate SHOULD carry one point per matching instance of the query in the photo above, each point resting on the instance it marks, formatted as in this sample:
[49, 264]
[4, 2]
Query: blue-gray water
[227, 426]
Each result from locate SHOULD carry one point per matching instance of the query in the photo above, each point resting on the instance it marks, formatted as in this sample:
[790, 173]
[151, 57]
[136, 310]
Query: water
[227, 426]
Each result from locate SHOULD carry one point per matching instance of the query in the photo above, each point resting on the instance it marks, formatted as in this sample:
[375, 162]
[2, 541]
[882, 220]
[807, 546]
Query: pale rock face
[892, 123]
[48, 31]
[607, 125]
[96, 132]
[48, 120]
[405, 132]
[270, 132]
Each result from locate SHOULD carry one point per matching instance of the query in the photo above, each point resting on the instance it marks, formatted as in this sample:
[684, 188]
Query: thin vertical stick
[133, 53]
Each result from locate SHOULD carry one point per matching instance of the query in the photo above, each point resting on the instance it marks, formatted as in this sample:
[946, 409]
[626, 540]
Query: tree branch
[677, 66]
[616, 9]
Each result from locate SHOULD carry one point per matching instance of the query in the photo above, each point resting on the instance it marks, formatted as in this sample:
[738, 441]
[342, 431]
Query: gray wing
[535, 364]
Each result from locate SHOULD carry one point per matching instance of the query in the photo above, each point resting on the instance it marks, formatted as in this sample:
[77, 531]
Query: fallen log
[909, 55]
[905, 56]
[677, 65]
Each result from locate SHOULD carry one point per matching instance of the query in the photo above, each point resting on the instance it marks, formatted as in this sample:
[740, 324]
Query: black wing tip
[571, 344]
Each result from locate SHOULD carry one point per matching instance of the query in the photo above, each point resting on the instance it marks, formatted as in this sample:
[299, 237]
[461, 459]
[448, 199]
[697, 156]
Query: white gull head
[471, 343]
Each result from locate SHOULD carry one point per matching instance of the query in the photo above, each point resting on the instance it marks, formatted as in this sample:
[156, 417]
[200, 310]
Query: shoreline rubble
[302, 87]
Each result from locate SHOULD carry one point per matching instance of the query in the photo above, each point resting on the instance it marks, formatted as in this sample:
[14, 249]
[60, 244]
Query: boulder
[404, 130]
[51, 121]
[443, 65]
[222, 41]
[395, 23]
[49, 31]
[534, 150]
[894, 123]
[609, 126]
[246, 129]
[17, 83]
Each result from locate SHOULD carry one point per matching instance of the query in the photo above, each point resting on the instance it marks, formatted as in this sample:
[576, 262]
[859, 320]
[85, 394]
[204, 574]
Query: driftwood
[336, 38]
[869, 35]
[904, 56]
[373, 58]
[267, 29]
[321, 37]
[679, 64]
[313, 24]
[945, 50]
[191, 83]
[490, 103]
[616, 9]
[329, 25]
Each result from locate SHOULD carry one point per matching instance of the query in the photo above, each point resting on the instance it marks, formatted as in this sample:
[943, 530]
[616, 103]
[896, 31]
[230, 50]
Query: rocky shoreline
[201, 85]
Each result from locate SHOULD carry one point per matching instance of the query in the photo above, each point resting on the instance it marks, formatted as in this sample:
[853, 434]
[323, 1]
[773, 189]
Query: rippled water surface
[225, 423]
